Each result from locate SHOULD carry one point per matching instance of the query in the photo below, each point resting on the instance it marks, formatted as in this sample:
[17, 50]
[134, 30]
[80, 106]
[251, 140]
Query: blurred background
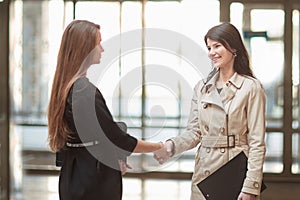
[30, 36]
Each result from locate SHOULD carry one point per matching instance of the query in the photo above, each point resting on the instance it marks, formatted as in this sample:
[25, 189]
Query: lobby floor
[45, 187]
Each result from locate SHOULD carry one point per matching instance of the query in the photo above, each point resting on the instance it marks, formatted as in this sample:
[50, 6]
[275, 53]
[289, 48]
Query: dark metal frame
[4, 100]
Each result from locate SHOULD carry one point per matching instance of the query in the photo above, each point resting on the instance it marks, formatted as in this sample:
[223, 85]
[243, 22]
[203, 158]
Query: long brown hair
[230, 38]
[78, 40]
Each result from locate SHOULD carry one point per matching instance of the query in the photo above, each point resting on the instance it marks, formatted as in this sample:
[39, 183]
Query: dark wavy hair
[228, 35]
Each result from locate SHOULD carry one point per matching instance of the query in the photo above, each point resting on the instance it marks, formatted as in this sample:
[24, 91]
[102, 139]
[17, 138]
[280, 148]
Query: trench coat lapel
[227, 94]
[212, 96]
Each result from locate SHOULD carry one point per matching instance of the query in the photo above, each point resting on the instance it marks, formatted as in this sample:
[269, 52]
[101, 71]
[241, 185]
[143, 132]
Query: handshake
[163, 154]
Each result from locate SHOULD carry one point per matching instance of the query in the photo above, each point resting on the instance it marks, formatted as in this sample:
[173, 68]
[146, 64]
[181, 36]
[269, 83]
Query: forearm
[146, 147]
[185, 141]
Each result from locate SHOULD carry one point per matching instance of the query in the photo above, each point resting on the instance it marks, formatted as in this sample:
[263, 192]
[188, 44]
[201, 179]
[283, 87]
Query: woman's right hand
[246, 196]
[163, 154]
[147, 147]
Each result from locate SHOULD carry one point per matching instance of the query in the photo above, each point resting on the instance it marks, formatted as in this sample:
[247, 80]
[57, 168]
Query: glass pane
[35, 34]
[296, 153]
[106, 14]
[195, 20]
[236, 15]
[130, 64]
[267, 56]
[34, 47]
[170, 75]
[162, 96]
[273, 162]
[296, 71]
[163, 15]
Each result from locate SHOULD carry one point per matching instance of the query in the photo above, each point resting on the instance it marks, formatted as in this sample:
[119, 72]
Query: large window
[158, 56]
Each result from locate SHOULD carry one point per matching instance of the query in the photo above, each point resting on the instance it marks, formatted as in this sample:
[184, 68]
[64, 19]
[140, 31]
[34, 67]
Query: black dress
[92, 172]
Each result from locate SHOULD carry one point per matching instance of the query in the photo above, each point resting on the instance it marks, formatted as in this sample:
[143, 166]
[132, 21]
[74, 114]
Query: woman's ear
[234, 52]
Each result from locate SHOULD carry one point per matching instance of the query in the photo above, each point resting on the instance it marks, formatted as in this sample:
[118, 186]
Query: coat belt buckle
[228, 141]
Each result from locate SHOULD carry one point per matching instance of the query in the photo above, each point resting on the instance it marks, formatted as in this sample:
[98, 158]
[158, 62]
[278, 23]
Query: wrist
[159, 145]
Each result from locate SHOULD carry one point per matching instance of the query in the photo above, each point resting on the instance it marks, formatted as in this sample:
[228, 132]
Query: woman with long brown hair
[227, 120]
[80, 125]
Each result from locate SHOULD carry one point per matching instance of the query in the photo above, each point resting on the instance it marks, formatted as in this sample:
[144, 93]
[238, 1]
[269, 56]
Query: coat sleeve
[191, 136]
[256, 138]
[110, 128]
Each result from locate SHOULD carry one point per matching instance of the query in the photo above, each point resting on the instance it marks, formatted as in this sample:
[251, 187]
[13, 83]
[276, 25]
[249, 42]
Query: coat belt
[85, 144]
[221, 141]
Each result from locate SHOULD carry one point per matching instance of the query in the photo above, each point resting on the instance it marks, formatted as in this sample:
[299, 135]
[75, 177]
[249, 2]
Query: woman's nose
[211, 53]
[101, 48]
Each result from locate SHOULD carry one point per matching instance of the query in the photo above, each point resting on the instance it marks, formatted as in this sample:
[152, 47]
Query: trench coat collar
[233, 84]
[212, 95]
[237, 80]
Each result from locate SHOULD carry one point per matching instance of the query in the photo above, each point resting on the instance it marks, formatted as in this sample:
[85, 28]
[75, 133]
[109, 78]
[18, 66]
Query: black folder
[227, 181]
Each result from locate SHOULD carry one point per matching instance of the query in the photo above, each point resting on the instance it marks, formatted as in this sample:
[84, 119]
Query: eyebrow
[216, 43]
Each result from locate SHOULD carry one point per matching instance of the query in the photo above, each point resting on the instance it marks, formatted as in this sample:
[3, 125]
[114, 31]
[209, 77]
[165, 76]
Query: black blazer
[92, 172]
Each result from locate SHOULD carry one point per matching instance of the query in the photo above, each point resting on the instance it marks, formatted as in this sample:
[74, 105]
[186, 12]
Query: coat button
[222, 150]
[222, 130]
[227, 84]
[207, 149]
[205, 106]
[206, 128]
[256, 184]
[207, 172]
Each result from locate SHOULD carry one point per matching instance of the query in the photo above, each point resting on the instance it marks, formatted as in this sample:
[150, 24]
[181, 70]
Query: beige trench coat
[243, 101]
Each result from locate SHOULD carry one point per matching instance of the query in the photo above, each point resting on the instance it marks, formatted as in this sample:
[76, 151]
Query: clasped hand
[163, 154]
[246, 196]
[124, 166]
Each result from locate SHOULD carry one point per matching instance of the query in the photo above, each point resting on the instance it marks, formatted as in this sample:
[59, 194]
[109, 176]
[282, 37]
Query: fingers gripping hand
[246, 196]
[124, 166]
[163, 154]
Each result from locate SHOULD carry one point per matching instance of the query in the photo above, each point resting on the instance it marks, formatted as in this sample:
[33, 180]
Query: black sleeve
[112, 131]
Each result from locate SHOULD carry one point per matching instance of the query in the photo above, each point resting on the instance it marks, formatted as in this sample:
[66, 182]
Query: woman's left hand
[123, 167]
[246, 196]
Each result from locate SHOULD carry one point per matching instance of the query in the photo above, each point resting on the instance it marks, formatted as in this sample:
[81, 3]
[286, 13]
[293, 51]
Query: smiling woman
[226, 120]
